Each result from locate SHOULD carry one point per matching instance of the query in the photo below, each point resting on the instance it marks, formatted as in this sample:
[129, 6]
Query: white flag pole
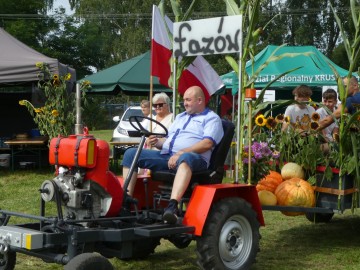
[238, 152]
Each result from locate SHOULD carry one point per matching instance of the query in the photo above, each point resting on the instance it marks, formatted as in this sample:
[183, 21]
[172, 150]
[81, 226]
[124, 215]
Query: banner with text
[207, 36]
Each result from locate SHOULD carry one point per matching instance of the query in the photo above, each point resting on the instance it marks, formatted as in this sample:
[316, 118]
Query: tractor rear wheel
[89, 261]
[7, 260]
[230, 238]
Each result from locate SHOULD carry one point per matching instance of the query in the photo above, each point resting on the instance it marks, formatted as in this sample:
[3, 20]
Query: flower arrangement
[57, 115]
[300, 144]
[262, 160]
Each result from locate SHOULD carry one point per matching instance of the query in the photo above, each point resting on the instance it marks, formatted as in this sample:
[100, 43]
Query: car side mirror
[116, 118]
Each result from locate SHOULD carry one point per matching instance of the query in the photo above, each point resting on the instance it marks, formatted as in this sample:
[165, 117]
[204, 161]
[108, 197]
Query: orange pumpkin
[295, 192]
[270, 182]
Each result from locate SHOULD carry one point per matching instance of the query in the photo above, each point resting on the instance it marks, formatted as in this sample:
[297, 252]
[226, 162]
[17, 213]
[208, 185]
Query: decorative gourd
[267, 198]
[292, 170]
[295, 192]
[269, 182]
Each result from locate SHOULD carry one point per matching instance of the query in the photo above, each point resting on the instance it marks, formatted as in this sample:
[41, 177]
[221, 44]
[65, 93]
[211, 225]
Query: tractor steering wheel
[139, 127]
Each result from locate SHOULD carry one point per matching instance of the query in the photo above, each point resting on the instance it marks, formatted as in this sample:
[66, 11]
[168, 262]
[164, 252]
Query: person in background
[145, 107]
[161, 105]
[229, 115]
[187, 148]
[329, 101]
[299, 113]
[352, 99]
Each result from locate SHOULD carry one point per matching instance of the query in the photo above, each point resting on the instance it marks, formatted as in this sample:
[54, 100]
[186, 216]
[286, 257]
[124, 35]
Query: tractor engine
[84, 186]
[81, 199]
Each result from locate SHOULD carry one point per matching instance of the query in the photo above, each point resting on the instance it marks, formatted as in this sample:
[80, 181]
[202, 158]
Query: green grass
[287, 242]
[102, 134]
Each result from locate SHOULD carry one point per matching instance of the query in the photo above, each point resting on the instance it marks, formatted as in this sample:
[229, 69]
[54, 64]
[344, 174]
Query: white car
[124, 131]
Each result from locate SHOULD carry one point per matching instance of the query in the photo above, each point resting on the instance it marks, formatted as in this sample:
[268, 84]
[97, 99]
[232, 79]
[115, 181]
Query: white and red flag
[199, 72]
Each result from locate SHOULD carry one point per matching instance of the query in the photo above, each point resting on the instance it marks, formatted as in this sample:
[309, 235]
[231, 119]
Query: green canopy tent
[314, 69]
[132, 77]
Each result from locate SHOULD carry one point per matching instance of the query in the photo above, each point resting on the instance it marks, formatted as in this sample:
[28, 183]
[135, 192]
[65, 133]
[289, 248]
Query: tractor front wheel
[230, 238]
[89, 261]
[7, 260]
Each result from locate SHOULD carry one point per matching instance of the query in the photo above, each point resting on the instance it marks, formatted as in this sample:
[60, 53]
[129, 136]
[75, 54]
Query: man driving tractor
[191, 139]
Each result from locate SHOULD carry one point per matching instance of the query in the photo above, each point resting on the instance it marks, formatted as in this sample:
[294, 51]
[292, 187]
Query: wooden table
[27, 147]
[119, 145]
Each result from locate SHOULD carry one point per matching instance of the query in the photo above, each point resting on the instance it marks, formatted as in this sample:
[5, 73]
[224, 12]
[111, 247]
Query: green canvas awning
[314, 69]
[131, 77]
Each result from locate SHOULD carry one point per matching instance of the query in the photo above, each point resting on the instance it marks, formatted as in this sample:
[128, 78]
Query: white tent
[17, 62]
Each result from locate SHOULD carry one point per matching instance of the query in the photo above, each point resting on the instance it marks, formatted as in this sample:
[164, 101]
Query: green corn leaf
[189, 11]
[232, 62]
[232, 8]
[175, 5]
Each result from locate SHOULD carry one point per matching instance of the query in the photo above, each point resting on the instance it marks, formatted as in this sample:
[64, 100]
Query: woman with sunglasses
[161, 105]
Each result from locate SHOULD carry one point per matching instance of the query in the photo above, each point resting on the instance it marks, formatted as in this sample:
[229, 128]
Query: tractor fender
[204, 196]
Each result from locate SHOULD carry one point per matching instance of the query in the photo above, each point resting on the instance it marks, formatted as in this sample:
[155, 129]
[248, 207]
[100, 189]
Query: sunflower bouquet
[57, 115]
[300, 143]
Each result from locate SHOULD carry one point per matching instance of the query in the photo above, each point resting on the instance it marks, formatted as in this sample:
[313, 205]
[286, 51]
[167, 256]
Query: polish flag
[160, 49]
[199, 72]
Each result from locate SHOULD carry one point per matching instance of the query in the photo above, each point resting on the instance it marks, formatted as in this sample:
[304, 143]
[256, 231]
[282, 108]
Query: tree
[26, 20]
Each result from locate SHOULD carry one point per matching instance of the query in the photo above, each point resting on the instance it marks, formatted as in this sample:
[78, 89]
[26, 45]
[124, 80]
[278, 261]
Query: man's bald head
[194, 100]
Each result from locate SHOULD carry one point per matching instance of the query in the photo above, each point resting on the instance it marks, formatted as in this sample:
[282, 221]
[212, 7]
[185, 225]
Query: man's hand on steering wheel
[154, 141]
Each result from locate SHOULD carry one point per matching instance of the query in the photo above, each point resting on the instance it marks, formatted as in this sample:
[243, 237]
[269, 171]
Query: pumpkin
[267, 198]
[295, 192]
[292, 170]
[269, 182]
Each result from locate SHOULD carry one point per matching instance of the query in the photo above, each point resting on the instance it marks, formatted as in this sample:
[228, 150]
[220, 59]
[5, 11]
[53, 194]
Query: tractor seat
[214, 174]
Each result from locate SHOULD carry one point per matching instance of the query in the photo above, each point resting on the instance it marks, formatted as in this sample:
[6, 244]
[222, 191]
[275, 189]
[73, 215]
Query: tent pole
[78, 125]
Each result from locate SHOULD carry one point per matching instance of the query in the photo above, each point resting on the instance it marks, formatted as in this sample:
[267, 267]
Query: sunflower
[67, 77]
[279, 118]
[315, 117]
[55, 113]
[305, 119]
[312, 103]
[56, 83]
[287, 119]
[260, 120]
[271, 123]
[314, 125]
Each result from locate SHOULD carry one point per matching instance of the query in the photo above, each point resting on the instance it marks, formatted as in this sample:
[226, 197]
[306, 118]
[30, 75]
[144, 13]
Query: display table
[27, 147]
[119, 146]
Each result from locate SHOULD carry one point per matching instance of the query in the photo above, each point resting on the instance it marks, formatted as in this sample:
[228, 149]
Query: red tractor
[91, 224]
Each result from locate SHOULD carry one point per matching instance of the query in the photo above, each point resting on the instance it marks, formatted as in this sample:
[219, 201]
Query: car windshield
[132, 112]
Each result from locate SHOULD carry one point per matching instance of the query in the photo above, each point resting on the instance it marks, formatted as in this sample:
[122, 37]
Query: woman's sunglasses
[160, 105]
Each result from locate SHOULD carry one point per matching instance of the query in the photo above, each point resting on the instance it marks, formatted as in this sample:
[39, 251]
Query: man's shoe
[170, 213]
